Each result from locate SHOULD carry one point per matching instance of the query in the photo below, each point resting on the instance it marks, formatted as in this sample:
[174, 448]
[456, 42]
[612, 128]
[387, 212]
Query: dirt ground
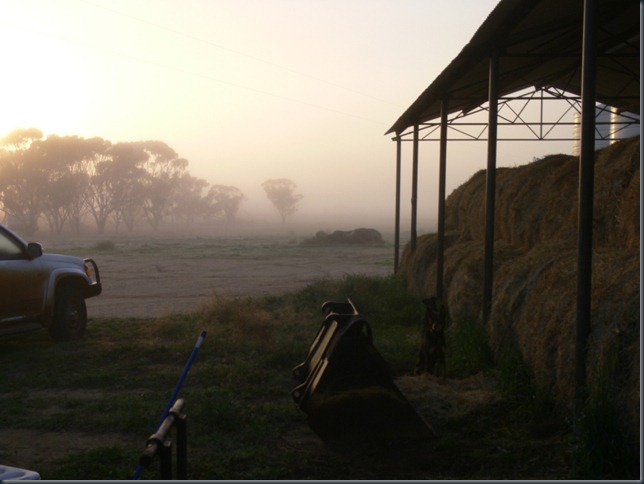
[157, 279]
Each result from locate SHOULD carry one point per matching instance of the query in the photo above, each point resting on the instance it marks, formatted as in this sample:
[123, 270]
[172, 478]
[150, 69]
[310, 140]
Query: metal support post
[586, 189]
[165, 460]
[397, 222]
[182, 447]
[440, 249]
[414, 189]
[490, 187]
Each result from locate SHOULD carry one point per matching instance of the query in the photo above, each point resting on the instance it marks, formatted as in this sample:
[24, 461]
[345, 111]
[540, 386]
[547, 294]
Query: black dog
[431, 357]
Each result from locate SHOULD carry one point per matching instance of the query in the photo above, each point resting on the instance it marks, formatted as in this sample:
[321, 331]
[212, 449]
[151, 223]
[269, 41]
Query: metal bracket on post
[159, 444]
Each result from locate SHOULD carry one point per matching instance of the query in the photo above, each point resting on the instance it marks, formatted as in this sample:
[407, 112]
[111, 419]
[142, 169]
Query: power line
[234, 51]
[195, 74]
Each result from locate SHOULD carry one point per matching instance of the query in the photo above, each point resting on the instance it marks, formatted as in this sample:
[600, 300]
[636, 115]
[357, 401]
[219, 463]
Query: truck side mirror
[34, 249]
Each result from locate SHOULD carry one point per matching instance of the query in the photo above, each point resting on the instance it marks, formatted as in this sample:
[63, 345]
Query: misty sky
[248, 90]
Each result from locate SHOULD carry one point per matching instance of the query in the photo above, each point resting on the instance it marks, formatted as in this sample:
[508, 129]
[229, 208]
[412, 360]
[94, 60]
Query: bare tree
[281, 194]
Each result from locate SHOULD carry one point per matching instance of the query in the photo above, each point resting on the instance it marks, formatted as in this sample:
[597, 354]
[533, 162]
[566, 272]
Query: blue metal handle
[184, 373]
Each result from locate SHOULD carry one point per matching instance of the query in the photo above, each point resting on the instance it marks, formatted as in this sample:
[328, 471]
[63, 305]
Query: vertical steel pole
[182, 446]
[397, 222]
[490, 186]
[414, 189]
[165, 460]
[586, 189]
[440, 248]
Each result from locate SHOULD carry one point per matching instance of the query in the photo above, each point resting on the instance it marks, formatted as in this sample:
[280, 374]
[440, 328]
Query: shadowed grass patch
[242, 421]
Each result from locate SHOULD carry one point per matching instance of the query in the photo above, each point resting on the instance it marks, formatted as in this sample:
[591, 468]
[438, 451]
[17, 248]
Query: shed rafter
[539, 45]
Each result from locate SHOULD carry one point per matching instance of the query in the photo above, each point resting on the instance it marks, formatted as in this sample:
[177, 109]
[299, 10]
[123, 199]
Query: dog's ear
[432, 304]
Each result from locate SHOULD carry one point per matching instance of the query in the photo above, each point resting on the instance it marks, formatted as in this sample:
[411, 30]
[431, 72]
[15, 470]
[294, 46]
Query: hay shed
[577, 52]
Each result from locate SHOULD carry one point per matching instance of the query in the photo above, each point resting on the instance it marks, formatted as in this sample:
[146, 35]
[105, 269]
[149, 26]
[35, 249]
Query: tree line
[69, 179]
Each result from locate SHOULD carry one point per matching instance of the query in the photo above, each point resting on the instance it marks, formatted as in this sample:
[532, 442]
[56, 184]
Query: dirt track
[151, 280]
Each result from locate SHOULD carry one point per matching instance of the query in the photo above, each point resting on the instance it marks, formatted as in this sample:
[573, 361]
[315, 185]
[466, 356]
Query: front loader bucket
[346, 388]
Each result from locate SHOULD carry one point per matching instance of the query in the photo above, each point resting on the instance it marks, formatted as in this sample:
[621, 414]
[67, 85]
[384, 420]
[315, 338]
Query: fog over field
[251, 91]
[151, 275]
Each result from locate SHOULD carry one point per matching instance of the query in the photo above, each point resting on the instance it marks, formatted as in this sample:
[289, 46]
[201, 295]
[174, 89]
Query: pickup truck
[43, 290]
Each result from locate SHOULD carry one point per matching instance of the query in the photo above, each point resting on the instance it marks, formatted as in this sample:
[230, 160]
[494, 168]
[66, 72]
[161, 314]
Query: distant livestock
[341, 237]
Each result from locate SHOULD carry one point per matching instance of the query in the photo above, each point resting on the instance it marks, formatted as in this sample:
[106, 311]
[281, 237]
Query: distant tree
[66, 178]
[189, 200]
[125, 176]
[100, 196]
[226, 199]
[64, 159]
[163, 169]
[20, 139]
[21, 197]
[21, 179]
[281, 194]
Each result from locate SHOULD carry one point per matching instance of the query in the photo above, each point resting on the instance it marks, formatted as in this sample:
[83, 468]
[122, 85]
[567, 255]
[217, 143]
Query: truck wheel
[70, 315]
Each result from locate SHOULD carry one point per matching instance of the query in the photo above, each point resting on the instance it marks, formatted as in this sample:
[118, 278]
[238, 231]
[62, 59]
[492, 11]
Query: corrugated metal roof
[539, 44]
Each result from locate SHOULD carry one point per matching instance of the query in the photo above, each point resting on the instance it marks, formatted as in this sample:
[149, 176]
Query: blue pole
[183, 376]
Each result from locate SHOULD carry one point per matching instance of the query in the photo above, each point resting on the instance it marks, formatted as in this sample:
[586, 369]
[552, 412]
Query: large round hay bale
[414, 264]
[465, 205]
[627, 234]
[367, 236]
[614, 347]
[537, 203]
[534, 311]
[533, 202]
[535, 269]
[616, 169]
[462, 271]
[361, 236]
[462, 276]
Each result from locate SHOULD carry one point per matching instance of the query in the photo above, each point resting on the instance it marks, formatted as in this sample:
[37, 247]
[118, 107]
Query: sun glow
[43, 84]
[245, 91]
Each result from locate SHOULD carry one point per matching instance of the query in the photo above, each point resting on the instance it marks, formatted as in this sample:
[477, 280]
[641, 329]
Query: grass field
[85, 410]
[148, 275]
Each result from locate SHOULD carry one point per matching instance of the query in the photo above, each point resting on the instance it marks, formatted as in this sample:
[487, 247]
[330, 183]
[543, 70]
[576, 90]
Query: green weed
[467, 351]
[602, 449]
[242, 422]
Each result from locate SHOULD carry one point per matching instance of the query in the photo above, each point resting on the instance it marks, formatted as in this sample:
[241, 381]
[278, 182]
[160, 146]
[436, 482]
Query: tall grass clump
[602, 449]
[393, 312]
[467, 349]
[515, 378]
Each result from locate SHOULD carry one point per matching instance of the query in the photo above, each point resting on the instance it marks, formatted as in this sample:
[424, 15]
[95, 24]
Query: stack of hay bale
[535, 269]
